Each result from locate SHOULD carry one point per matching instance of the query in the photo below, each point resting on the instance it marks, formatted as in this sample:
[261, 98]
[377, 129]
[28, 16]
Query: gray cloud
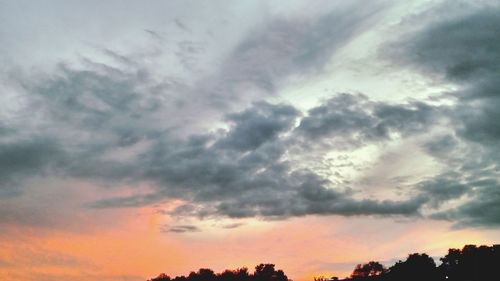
[243, 172]
[262, 124]
[353, 120]
[180, 228]
[283, 47]
[441, 145]
[463, 48]
[128, 201]
[443, 188]
[26, 158]
[232, 225]
[112, 124]
[481, 210]
[80, 116]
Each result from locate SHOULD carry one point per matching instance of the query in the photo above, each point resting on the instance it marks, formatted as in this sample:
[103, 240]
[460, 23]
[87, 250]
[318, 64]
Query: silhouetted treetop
[372, 268]
[263, 272]
[472, 263]
[415, 267]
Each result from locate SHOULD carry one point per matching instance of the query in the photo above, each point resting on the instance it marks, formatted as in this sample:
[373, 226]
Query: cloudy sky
[139, 137]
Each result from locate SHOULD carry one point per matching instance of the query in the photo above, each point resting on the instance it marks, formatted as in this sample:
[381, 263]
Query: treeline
[263, 272]
[472, 263]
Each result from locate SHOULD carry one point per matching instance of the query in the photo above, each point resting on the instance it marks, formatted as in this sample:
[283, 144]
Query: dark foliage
[472, 263]
[416, 267]
[372, 268]
[263, 272]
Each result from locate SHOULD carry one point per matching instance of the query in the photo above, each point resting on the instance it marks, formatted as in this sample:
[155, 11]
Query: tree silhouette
[266, 272]
[161, 277]
[263, 272]
[371, 268]
[472, 263]
[416, 267]
[203, 274]
[240, 274]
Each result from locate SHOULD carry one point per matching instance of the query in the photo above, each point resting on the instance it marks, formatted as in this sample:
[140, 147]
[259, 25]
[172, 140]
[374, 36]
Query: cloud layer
[219, 145]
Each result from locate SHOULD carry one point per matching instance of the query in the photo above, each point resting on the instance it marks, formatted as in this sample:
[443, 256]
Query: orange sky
[135, 249]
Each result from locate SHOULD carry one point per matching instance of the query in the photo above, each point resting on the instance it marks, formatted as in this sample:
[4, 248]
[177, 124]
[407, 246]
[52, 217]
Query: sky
[140, 137]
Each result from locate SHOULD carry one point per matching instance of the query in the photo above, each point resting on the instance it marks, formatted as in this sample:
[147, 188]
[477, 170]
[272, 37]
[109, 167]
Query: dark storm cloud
[478, 179]
[443, 189]
[239, 172]
[481, 211]
[355, 120]
[247, 169]
[465, 50]
[98, 98]
[70, 120]
[442, 145]
[345, 115]
[254, 127]
[26, 158]
[243, 172]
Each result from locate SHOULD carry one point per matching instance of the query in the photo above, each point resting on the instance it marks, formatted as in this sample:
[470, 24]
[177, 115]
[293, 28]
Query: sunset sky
[140, 137]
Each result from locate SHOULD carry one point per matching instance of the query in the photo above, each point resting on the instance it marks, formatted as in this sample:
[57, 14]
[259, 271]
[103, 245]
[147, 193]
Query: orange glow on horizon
[137, 247]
